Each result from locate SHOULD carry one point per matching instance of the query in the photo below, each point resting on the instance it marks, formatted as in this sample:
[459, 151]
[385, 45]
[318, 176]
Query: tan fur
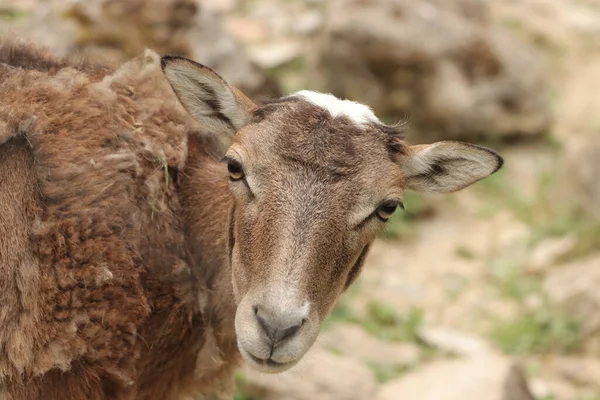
[312, 171]
[131, 268]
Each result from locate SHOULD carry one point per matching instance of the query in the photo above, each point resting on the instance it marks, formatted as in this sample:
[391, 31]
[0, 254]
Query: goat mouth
[268, 362]
[268, 365]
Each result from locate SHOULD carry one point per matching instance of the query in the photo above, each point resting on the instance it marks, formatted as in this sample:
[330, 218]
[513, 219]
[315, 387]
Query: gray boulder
[485, 376]
[573, 288]
[321, 376]
[440, 62]
[114, 31]
[583, 171]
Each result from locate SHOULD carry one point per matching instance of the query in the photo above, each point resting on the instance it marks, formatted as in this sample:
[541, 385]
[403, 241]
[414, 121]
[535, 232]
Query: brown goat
[137, 263]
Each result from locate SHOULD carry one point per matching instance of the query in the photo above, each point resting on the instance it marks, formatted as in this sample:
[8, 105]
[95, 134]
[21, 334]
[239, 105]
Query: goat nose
[279, 327]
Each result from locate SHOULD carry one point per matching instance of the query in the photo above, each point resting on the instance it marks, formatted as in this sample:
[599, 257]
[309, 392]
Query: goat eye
[387, 208]
[236, 172]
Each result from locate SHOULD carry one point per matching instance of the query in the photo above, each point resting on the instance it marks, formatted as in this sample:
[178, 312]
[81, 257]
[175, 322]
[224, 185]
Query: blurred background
[491, 293]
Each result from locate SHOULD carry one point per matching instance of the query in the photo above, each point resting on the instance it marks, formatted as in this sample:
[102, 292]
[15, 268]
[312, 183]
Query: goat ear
[206, 96]
[447, 166]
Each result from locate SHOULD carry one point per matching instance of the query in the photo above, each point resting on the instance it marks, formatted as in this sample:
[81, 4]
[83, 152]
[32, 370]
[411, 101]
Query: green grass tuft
[342, 310]
[385, 323]
[540, 331]
[241, 384]
[539, 327]
[340, 313]
[546, 216]
[381, 321]
[511, 281]
[385, 373]
[464, 252]
[8, 13]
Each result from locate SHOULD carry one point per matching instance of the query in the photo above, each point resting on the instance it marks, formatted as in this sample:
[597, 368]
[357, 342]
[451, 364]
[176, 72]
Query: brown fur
[101, 295]
[314, 168]
[132, 269]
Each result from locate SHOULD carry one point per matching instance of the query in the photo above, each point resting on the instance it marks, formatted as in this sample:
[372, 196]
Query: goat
[136, 262]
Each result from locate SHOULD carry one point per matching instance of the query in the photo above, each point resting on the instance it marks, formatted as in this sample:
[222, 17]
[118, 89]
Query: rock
[540, 389]
[454, 342]
[352, 341]
[553, 389]
[573, 287]
[442, 63]
[247, 30]
[321, 376]
[583, 170]
[567, 377]
[548, 252]
[578, 371]
[113, 31]
[220, 6]
[9, 6]
[308, 23]
[486, 376]
[271, 55]
[513, 232]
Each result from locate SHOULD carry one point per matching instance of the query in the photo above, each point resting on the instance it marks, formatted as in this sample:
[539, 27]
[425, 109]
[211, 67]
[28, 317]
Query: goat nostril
[289, 332]
[265, 327]
[277, 330]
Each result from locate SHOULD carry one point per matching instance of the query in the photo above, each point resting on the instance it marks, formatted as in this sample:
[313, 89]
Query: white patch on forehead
[357, 112]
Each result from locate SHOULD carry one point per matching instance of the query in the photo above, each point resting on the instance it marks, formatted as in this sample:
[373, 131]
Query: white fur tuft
[357, 112]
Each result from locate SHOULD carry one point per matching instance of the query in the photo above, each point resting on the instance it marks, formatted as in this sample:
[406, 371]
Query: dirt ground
[472, 270]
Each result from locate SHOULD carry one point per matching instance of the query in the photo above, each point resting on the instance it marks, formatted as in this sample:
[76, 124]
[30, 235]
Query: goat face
[314, 180]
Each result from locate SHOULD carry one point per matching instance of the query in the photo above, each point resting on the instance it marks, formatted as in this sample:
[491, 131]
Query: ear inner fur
[447, 166]
[206, 96]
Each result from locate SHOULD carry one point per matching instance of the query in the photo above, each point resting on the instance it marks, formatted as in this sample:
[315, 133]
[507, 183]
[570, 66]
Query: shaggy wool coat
[101, 295]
